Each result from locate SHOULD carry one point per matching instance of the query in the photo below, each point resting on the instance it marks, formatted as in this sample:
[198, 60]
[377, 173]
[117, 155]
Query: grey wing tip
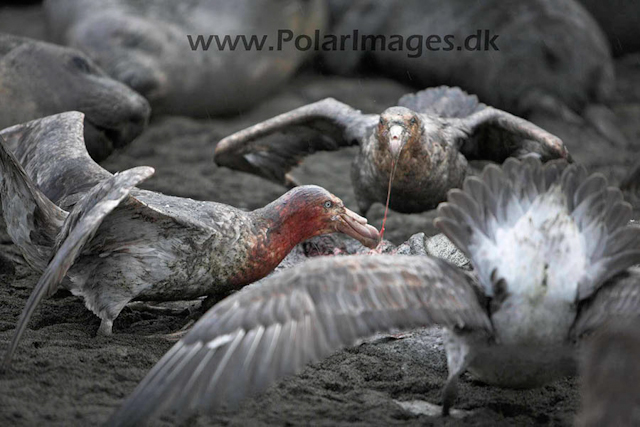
[140, 173]
[328, 100]
[230, 148]
[72, 115]
[36, 296]
[223, 149]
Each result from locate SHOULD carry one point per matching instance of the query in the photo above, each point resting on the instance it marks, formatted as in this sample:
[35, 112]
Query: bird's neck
[278, 228]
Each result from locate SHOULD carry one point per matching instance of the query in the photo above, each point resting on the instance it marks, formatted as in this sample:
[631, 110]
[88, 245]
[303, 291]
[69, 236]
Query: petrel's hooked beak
[397, 139]
[352, 224]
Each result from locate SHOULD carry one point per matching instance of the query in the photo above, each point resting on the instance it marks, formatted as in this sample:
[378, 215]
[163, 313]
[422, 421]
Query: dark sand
[63, 375]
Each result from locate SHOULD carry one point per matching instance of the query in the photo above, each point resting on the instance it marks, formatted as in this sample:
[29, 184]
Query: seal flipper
[33, 221]
[78, 229]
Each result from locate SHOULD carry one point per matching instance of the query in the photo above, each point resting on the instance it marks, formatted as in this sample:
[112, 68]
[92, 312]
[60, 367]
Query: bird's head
[397, 128]
[311, 211]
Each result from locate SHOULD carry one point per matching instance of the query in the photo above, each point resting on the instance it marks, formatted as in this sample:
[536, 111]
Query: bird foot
[401, 335]
[177, 335]
[384, 338]
[105, 329]
[179, 309]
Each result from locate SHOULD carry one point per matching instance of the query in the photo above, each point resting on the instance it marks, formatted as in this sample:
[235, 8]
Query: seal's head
[129, 49]
[50, 79]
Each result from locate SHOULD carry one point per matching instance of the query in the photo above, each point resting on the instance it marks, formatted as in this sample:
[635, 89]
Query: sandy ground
[63, 375]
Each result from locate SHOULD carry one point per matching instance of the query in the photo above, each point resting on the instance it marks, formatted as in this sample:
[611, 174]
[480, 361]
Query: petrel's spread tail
[595, 238]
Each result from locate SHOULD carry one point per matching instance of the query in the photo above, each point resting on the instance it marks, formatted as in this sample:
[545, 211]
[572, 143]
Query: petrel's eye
[328, 204]
[413, 121]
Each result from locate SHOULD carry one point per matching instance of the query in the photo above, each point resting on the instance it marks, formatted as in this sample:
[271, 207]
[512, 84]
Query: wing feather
[499, 199]
[59, 137]
[78, 228]
[330, 303]
[272, 148]
[33, 221]
[496, 135]
[618, 300]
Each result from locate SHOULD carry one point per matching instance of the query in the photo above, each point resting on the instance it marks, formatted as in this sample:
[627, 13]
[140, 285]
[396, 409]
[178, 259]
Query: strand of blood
[386, 207]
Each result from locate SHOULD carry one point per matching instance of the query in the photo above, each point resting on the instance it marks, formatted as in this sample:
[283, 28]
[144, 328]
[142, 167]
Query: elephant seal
[154, 47]
[552, 54]
[39, 79]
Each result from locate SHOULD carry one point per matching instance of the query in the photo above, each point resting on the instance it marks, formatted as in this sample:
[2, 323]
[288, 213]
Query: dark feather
[272, 148]
[617, 300]
[494, 134]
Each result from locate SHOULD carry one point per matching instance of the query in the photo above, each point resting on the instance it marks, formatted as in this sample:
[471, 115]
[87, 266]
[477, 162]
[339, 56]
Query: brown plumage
[432, 134]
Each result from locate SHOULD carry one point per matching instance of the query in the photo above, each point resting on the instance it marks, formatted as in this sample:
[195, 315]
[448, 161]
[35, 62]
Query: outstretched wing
[617, 301]
[79, 227]
[494, 203]
[493, 134]
[442, 101]
[272, 148]
[53, 153]
[251, 339]
[487, 133]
